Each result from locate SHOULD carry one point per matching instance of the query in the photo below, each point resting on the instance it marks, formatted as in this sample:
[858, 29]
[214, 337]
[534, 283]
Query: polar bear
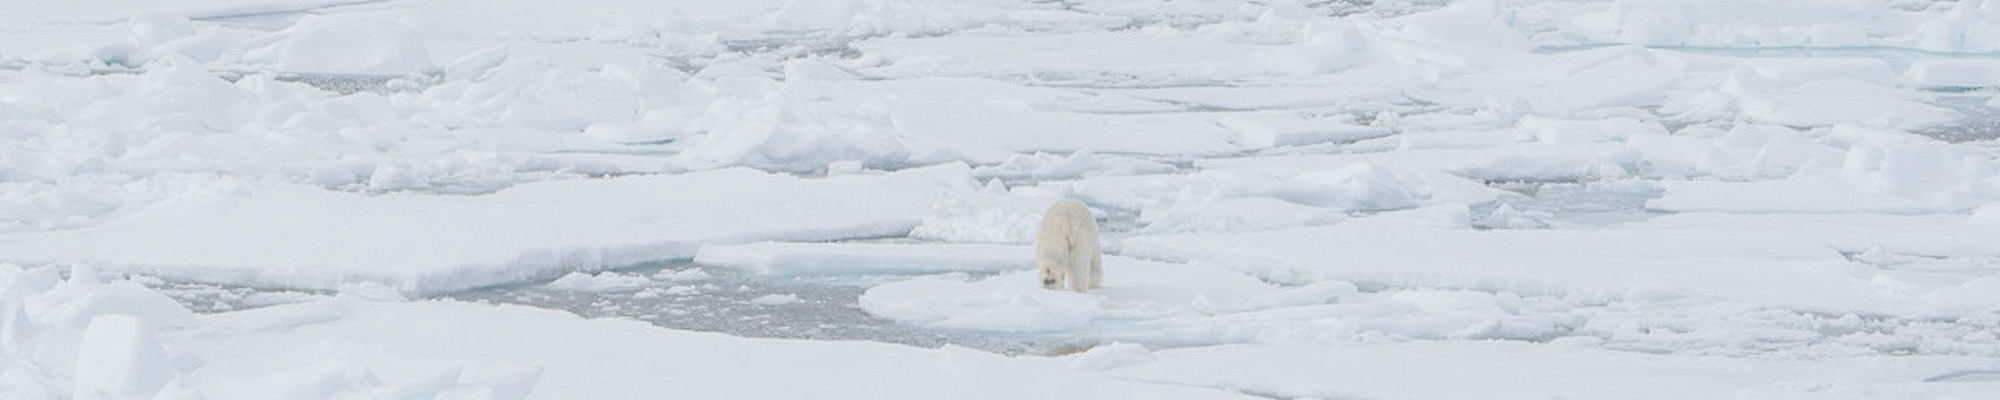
[1066, 250]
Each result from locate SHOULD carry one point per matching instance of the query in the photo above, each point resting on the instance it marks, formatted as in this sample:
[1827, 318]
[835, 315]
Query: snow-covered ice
[295, 237]
[837, 199]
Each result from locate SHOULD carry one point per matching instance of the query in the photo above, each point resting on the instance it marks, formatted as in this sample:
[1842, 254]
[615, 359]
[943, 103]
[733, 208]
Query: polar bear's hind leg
[1096, 270]
[1052, 277]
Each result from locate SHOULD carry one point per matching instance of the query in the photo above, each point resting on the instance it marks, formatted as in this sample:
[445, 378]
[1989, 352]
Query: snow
[295, 237]
[1518, 370]
[835, 199]
[559, 355]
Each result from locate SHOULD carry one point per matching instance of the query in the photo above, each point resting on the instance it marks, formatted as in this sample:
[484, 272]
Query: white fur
[1066, 250]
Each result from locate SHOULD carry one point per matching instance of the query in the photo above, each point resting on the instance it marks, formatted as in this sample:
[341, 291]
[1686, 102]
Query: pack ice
[1466, 199]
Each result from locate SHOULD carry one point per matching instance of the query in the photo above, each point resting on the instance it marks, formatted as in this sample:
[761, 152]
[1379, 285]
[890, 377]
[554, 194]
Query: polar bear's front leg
[1052, 269]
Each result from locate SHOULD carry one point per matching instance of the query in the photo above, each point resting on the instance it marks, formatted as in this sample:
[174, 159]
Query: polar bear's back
[1068, 221]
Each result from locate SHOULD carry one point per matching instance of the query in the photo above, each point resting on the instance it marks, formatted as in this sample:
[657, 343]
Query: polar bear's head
[1051, 278]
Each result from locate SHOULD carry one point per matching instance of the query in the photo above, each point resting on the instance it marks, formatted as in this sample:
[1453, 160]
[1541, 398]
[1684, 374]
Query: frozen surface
[1332, 199]
[294, 237]
[738, 302]
[1495, 370]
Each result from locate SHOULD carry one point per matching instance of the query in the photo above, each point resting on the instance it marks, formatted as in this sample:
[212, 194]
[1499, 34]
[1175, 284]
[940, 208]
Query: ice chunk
[1254, 133]
[1114, 355]
[683, 275]
[776, 300]
[601, 282]
[75, 302]
[983, 218]
[477, 64]
[1357, 187]
[351, 44]
[119, 358]
[1953, 73]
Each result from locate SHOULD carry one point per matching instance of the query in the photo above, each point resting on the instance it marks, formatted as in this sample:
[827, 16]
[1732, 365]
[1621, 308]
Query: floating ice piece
[606, 281]
[776, 300]
[867, 258]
